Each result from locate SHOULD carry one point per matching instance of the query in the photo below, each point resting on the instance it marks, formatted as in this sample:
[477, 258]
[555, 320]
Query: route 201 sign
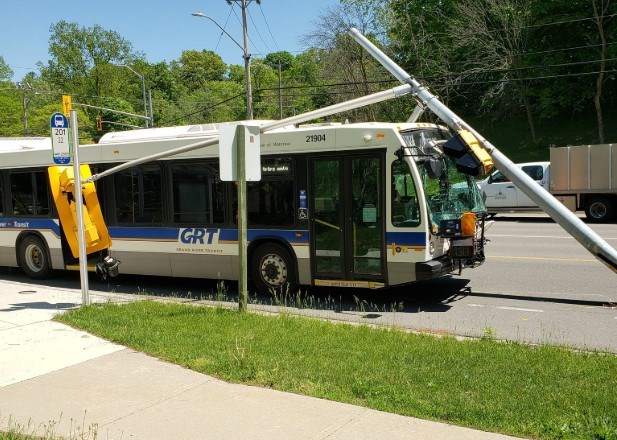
[60, 139]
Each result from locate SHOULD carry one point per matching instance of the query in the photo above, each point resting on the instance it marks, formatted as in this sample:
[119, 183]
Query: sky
[160, 29]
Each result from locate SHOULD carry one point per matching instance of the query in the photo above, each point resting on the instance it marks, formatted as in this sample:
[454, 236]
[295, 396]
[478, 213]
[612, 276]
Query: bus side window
[30, 193]
[139, 195]
[405, 210]
[198, 194]
[271, 201]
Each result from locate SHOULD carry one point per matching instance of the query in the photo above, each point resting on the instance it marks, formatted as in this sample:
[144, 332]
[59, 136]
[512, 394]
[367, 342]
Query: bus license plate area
[463, 248]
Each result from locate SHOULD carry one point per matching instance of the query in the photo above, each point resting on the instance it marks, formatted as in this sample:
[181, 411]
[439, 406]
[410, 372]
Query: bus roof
[123, 146]
[24, 144]
[199, 130]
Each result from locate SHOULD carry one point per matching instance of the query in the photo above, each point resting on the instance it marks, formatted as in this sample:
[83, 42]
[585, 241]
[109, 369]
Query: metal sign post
[240, 159]
[242, 219]
[79, 205]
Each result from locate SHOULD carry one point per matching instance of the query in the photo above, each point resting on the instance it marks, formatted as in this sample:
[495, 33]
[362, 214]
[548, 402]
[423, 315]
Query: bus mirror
[470, 157]
[400, 153]
[61, 179]
[434, 168]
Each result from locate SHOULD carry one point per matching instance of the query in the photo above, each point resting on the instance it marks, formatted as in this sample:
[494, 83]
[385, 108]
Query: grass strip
[541, 392]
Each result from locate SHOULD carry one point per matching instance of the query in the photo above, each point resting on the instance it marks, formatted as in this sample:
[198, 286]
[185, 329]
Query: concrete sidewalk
[60, 380]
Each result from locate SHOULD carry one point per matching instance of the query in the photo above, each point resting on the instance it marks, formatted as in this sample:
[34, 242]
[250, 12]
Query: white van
[502, 194]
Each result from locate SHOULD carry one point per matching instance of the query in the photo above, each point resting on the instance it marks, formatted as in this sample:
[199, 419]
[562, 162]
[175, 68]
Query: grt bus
[353, 205]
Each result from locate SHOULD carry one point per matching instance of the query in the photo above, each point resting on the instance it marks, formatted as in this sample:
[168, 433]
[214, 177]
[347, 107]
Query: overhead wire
[555, 23]
[247, 34]
[222, 32]
[268, 26]
[248, 11]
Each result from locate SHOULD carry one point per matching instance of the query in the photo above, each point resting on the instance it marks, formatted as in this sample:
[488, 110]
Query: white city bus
[353, 205]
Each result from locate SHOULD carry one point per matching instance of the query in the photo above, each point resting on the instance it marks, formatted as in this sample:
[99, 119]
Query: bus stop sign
[60, 142]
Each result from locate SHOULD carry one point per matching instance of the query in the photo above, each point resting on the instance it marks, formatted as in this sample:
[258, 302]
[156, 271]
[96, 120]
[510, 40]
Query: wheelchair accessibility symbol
[303, 213]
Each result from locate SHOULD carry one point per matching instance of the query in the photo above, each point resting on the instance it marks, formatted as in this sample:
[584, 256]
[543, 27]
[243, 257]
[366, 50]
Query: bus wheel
[598, 210]
[33, 257]
[272, 270]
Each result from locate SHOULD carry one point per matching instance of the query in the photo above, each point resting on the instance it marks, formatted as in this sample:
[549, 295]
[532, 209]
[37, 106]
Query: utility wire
[555, 23]
[268, 26]
[535, 78]
[202, 109]
[242, 26]
[566, 49]
[221, 36]
[257, 29]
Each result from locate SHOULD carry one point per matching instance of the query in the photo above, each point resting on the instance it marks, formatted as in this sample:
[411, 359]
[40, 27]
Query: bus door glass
[347, 198]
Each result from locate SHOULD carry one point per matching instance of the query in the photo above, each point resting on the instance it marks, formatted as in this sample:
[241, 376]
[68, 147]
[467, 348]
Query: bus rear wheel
[272, 270]
[34, 257]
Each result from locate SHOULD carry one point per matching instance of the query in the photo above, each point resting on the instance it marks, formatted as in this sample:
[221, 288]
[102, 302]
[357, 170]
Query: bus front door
[347, 201]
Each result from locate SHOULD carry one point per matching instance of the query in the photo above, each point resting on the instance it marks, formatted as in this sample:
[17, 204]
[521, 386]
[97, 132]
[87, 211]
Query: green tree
[344, 61]
[80, 57]
[5, 71]
[282, 58]
[194, 69]
[10, 112]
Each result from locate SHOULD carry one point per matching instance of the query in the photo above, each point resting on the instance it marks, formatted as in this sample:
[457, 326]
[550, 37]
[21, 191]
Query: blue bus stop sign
[60, 139]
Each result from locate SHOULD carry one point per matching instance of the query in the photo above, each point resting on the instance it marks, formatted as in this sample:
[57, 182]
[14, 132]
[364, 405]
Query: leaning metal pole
[558, 212]
[319, 113]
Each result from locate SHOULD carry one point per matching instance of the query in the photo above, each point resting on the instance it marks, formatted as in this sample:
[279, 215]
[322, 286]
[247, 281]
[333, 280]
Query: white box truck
[585, 178]
[582, 178]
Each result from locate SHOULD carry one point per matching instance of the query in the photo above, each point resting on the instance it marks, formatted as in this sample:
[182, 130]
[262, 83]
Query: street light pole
[143, 91]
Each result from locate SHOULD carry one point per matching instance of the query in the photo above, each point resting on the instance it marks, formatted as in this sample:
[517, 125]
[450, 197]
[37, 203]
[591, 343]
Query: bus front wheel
[34, 258]
[272, 270]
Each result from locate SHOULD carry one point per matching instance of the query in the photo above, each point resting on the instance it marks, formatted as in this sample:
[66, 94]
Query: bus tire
[273, 270]
[34, 257]
[599, 210]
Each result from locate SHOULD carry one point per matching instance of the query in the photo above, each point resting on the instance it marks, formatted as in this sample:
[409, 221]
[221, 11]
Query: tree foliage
[496, 61]
[5, 71]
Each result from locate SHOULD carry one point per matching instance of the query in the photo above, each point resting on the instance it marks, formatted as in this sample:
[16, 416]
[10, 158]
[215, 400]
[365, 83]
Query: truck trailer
[584, 177]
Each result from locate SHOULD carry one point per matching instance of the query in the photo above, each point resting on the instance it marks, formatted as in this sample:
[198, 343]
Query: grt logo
[197, 235]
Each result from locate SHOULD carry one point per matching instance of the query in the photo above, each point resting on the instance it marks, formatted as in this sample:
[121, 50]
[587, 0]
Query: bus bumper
[429, 270]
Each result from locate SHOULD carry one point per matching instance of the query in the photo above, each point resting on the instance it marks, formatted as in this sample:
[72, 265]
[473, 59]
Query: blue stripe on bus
[142, 233]
[406, 238]
[30, 223]
[172, 234]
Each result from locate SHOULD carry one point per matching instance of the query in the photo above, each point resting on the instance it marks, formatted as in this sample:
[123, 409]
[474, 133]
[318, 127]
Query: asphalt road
[538, 285]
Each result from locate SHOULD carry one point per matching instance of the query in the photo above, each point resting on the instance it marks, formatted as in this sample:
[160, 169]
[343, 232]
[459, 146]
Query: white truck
[582, 178]
[501, 194]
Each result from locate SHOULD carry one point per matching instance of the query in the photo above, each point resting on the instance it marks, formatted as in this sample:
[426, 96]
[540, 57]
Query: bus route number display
[60, 141]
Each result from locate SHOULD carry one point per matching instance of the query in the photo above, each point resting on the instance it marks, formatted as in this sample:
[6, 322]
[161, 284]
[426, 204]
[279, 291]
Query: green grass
[542, 392]
[46, 431]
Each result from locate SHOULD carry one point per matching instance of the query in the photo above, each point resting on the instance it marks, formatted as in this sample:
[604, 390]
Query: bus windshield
[448, 192]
